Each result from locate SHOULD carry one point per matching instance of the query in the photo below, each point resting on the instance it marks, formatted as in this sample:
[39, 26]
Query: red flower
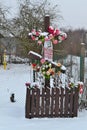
[37, 33]
[27, 84]
[33, 65]
[51, 30]
[56, 32]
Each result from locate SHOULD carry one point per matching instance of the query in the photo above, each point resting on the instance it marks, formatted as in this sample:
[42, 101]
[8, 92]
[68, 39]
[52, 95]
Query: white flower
[46, 66]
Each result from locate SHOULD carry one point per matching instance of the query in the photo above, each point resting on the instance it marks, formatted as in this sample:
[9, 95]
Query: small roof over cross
[34, 55]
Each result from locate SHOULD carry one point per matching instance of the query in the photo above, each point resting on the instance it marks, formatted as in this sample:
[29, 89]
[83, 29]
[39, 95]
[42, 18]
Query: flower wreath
[55, 35]
[46, 68]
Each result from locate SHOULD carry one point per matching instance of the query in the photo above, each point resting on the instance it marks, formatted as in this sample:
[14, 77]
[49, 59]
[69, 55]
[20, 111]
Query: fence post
[75, 104]
[28, 104]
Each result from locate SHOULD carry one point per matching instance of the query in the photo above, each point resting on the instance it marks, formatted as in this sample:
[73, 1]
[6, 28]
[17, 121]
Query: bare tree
[31, 15]
[3, 19]
[3, 27]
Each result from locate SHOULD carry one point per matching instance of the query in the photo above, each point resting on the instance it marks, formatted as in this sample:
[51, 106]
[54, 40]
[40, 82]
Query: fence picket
[52, 102]
[57, 103]
[61, 101]
[66, 102]
[42, 102]
[47, 100]
[37, 101]
[71, 103]
[75, 106]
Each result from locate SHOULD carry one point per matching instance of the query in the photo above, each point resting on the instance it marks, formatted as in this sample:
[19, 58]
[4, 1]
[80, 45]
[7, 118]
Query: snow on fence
[51, 102]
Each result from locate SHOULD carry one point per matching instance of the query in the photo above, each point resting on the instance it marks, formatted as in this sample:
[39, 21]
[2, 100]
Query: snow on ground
[12, 115]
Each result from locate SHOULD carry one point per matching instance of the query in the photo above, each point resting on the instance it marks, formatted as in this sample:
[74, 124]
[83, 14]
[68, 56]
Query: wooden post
[33, 75]
[46, 26]
[47, 82]
[75, 104]
[28, 104]
[46, 23]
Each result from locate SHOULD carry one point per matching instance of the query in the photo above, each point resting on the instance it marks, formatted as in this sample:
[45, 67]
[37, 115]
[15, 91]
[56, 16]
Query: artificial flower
[42, 61]
[48, 73]
[51, 36]
[39, 42]
[55, 41]
[46, 69]
[59, 64]
[34, 66]
[27, 84]
[59, 72]
[51, 30]
[55, 35]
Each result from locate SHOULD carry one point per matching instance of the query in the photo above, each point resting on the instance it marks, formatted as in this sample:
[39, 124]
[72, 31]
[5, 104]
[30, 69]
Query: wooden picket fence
[51, 102]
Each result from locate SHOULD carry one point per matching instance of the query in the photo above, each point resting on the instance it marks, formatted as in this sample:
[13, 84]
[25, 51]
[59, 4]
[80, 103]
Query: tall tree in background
[3, 19]
[31, 15]
[3, 28]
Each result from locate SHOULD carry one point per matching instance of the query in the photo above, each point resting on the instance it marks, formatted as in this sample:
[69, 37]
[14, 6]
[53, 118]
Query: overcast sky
[74, 12]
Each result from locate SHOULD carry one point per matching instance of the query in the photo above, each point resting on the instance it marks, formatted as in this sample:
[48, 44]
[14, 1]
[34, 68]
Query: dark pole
[82, 56]
[33, 75]
[71, 60]
[46, 25]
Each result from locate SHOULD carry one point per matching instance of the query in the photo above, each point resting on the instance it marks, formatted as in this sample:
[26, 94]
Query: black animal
[12, 98]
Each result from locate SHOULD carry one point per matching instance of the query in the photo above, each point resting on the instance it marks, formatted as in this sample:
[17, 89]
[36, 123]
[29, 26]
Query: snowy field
[12, 115]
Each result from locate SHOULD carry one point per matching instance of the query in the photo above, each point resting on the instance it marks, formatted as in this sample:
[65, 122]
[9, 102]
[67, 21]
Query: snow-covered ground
[12, 115]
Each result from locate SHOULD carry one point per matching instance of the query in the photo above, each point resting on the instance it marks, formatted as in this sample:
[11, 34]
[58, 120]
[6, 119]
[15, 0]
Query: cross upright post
[46, 50]
[46, 23]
